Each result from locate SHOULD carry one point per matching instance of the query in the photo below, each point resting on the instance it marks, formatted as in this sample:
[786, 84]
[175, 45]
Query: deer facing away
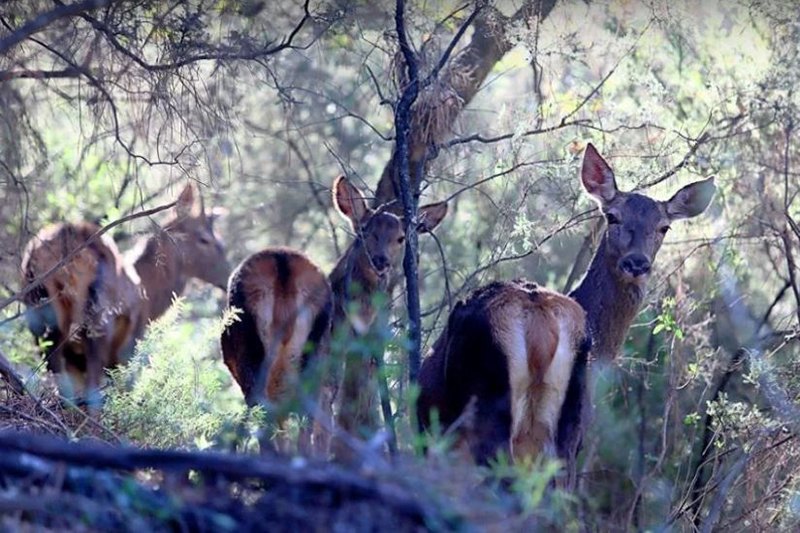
[521, 351]
[93, 308]
[288, 308]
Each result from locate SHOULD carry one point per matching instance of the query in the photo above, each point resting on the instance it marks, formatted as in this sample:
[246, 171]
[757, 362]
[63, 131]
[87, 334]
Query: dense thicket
[108, 107]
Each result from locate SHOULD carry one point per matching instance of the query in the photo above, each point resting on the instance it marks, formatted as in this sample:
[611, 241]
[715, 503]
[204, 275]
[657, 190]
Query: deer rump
[285, 308]
[92, 299]
[512, 346]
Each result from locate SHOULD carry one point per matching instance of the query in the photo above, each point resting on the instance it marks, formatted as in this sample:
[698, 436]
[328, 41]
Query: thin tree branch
[403, 189]
[268, 49]
[45, 19]
[71, 255]
[7, 75]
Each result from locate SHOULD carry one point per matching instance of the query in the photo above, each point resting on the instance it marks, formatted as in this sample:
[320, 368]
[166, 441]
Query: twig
[721, 493]
[10, 375]
[453, 42]
[45, 19]
[71, 255]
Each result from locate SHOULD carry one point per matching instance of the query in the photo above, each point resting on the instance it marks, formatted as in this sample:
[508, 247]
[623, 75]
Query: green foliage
[666, 320]
[174, 392]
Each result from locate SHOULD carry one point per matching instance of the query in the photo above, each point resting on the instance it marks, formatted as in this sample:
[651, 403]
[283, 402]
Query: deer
[94, 306]
[284, 305]
[365, 270]
[288, 309]
[512, 359]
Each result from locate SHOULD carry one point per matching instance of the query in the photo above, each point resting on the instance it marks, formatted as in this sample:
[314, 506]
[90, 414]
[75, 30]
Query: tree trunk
[463, 75]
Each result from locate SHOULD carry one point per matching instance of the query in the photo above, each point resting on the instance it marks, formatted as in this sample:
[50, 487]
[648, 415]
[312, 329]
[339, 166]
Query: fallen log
[200, 490]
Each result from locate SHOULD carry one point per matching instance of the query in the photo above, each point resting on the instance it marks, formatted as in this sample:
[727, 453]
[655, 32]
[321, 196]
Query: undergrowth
[175, 392]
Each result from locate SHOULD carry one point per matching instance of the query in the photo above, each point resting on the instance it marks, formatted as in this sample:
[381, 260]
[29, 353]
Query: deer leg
[71, 377]
[385, 401]
[355, 413]
[314, 437]
[490, 432]
[97, 350]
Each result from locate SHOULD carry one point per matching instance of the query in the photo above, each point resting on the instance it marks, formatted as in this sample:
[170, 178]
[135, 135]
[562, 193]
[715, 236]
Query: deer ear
[691, 200]
[430, 216]
[188, 203]
[349, 201]
[597, 176]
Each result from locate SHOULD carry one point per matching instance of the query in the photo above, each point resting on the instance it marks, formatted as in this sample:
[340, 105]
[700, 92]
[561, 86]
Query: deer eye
[611, 218]
[663, 230]
[401, 239]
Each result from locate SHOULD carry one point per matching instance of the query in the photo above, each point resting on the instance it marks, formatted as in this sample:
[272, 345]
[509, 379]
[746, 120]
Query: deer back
[285, 304]
[88, 290]
[511, 346]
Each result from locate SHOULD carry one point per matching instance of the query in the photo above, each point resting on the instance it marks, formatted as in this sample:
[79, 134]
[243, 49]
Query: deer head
[637, 223]
[381, 233]
[202, 254]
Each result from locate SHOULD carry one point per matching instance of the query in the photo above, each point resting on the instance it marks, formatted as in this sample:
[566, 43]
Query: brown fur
[613, 288]
[102, 301]
[363, 271]
[546, 400]
[270, 286]
[285, 302]
[95, 298]
[501, 346]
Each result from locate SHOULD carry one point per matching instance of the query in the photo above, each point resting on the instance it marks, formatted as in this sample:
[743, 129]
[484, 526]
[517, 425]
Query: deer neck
[159, 266]
[610, 303]
[352, 281]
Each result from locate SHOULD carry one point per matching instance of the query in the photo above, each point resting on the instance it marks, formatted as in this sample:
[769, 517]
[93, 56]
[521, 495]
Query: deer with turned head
[517, 353]
[288, 308]
[91, 309]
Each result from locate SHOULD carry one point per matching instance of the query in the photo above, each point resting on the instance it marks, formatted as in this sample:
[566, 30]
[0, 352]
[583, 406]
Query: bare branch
[45, 19]
[68, 257]
[6, 75]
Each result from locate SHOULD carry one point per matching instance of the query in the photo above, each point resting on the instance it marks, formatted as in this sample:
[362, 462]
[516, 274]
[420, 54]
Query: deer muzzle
[635, 265]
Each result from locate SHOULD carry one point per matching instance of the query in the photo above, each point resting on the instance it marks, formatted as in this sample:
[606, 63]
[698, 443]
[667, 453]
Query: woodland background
[109, 107]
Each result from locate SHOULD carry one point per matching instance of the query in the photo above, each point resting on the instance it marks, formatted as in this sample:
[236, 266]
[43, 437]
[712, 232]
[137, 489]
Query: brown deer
[92, 309]
[284, 302]
[521, 351]
[288, 307]
[364, 271]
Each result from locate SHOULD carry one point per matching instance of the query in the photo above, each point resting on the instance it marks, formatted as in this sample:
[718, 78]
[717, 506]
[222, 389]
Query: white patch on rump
[556, 379]
[512, 340]
[552, 389]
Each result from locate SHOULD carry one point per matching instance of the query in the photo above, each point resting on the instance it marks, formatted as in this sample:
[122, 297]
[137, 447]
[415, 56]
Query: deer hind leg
[123, 340]
[316, 378]
[64, 357]
[264, 318]
[99, 333]
[489, 433]
[547, 392]
[529, 339]
[285, 388]
[357, 411]
[71, 377]
[98, 348]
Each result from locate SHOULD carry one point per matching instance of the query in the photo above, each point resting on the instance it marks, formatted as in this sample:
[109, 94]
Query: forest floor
[62, 470]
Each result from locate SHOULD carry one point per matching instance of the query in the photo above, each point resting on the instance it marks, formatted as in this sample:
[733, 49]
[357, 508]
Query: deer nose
[380, 262]
[635, 264]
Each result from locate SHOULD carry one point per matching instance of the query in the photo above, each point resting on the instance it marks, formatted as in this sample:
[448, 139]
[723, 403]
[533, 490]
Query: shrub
[175, 391]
